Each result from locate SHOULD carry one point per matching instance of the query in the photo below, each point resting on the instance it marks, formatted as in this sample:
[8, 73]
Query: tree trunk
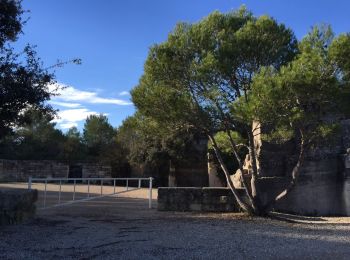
[254, 180]
[295, 175]
[243, 205]
[240, 167]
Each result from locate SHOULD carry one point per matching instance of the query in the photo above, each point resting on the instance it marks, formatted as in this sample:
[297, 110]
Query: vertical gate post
[30, 183]
[114, 186]
[45, 194]
[59, 193]
[74, 189]
[88, 188]
[150, 193]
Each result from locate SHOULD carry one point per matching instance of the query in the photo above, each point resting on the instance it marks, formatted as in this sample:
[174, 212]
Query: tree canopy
[228, 70]
[23, 80]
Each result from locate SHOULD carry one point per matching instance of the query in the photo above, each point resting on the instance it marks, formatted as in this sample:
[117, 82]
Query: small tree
[98, 134]
[73, 148]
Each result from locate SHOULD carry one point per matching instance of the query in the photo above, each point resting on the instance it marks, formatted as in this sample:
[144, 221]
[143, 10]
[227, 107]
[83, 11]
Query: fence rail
[89, 181]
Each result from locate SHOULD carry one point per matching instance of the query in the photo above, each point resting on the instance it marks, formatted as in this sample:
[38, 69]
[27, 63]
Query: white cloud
[124, 93]
[68, 125]
[70, 117]
[69, 93]
[65, 104]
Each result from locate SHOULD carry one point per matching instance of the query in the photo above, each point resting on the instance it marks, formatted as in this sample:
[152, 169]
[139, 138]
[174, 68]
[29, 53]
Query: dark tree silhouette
[23, 80]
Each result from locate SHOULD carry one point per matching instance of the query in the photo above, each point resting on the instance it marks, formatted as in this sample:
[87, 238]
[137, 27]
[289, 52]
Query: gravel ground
[124, 228]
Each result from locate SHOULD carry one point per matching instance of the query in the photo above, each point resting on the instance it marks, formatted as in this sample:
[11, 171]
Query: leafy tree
[23, 80]
[141, 137]
[102, 145]
[339, 51]
[10, 20]
[98, 134]
[147, 142]
[205, 67]
[37, 139]
[73, 148]
[207, 75]
[296, 99]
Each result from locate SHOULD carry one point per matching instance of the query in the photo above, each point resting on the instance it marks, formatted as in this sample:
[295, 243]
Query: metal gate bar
[102, 181]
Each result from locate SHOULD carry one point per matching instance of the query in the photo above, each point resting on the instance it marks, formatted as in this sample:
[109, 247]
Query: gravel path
[124, 228]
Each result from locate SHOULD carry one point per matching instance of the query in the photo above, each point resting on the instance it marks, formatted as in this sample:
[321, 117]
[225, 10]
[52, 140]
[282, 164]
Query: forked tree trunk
[240, 167]
[252, 154]
[295, 176]
[243, 205]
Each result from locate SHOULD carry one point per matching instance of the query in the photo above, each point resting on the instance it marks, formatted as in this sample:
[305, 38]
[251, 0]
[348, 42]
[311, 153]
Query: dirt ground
[122, 227]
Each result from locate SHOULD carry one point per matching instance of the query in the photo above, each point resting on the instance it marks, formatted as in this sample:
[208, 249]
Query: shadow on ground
[124, 228]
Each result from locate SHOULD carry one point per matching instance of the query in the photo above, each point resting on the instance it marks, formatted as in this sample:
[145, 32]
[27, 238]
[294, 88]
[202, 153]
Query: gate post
[150, 193]
[30, 183]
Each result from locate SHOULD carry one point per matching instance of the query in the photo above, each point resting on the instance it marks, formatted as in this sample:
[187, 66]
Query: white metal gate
[91, 182]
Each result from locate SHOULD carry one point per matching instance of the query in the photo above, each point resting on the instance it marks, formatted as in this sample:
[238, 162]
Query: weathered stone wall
[21, 170]
[16, 205]
[323, 185]
[94, 170]
[325, 197]
[193, 172]
[196, 199]
[192, 176]
[321, 189]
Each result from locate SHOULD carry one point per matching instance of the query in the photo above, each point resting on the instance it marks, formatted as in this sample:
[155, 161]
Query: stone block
[196, 199]
[179, 198]
[16, 205]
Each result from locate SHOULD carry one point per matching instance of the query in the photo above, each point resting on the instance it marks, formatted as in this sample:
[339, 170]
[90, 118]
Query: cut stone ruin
[324, 184]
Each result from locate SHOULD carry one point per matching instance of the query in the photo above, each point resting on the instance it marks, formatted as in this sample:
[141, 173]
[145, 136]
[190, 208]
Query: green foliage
[298, 96]
[36, 139]
[23, 80]
[10, 20]
[224, 142]
[98, 133]
[191, 80]
[39, 139]
[339, 52]
[100, 139]
[139, 136]
[73, 148]
[146, 142]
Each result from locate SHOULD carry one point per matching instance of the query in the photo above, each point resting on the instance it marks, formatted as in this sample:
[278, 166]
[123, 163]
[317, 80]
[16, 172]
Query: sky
[112, 38]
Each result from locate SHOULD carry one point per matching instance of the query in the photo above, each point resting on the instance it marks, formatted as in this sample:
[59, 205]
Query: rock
[16, 205]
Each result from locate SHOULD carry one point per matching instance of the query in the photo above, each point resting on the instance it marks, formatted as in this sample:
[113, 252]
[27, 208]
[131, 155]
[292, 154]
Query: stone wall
[323, 187]
[21, 170]
[95, 170]
[16, 205]
[192, 172]
[196, 199]
[321, 197]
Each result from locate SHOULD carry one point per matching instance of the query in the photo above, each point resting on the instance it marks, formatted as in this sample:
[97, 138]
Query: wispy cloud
[68, 125]
[69, 93]
[65, 104]
[70, 117]
[124, 93]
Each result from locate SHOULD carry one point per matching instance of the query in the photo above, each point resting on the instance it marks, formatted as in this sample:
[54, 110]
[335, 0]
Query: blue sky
[113, 37]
